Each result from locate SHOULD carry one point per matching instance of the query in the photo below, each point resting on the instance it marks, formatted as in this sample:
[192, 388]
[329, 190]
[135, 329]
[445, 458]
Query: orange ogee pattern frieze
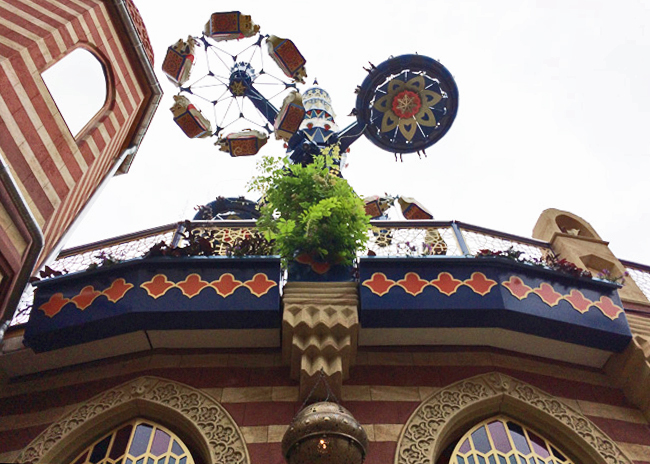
[56, 173]
[157, 287]
[447, 285]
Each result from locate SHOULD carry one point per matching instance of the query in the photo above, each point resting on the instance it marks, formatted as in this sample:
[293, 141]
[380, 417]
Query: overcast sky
[554, 113]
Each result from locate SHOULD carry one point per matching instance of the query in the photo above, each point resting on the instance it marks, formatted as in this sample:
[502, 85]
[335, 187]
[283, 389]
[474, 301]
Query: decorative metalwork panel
[137, 443]
[477, 240]
[500, 440]
[413, 241]
[221, 237]
[386, 238]
[81, 258]
[641, 276]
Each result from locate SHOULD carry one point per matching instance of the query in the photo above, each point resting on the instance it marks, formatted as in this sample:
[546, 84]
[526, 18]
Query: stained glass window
[138, 442]
[502, 441]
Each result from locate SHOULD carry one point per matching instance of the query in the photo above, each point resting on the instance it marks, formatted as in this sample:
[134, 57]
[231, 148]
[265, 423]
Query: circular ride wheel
[407, 103]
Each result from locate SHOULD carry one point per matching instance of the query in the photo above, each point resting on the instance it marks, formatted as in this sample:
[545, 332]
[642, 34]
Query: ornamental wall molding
[199, 420]
[320, 331]
[440, 418]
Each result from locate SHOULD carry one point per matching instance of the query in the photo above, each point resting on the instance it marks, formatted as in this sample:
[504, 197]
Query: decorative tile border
[448, 285]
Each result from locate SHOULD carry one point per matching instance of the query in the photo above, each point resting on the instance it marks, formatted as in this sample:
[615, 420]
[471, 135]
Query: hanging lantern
[230, 25]
[287, 57]
[189, 119]
[290, 117]
[178, 61]
[245, 143]
[325, 433]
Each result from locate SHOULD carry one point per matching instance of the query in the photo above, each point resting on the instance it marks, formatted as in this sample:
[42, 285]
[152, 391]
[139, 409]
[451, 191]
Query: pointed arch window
[137, 442]
[501, 440]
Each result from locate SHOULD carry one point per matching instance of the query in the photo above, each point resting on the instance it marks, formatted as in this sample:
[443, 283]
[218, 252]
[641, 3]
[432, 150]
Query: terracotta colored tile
[19, 438]
[225, 377]
[626, 432]
[271, 376]
[237, 411]
[393, 375]
[390, 359]
[254, 360]
[381, 452]
[268, 413]
[452, 374]
[266, 453]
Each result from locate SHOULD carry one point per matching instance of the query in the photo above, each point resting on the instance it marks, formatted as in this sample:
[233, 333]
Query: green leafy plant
[310, 210]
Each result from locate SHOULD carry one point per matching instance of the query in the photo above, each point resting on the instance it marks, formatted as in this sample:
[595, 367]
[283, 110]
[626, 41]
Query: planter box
[490, 293]
[155, 294]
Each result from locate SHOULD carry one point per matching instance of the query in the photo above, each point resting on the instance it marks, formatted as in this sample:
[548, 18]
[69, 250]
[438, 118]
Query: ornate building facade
[454, 344]
[48, 173]
[427, 386]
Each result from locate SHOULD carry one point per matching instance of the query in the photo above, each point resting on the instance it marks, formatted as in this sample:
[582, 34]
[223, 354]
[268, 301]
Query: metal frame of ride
[405, 104]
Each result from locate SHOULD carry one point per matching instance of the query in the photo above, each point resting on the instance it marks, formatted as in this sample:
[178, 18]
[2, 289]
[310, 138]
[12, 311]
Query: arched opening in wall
[571, 226]
[79, 87]
[136, 442]
[502, 440]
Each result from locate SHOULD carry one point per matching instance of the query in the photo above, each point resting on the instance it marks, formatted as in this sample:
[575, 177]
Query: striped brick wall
[384, 389]
[55, 172]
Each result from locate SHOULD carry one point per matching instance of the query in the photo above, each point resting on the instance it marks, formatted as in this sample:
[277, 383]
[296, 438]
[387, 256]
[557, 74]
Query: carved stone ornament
[184, 404]
[423, 437]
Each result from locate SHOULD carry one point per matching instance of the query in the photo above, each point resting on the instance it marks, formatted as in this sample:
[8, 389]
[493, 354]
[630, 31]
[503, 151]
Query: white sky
[554, 113]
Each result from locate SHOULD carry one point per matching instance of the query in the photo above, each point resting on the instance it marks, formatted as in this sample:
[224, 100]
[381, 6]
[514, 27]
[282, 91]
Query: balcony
[422, 285]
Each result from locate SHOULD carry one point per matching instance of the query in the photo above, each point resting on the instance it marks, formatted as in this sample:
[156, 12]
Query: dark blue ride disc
[407, 103]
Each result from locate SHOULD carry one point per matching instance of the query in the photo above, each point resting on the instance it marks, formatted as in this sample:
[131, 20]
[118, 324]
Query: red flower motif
[54, 305]
[548, 294]
[406, 104]
[192, 285]
[86, 297]
[226, 284]
[117, 290]
[608, 308]
[480, 284]
[157, 286]
[260, 284]
[517, 287]
[446, 283]
[578, 301]
[412, 283]
[379, 284]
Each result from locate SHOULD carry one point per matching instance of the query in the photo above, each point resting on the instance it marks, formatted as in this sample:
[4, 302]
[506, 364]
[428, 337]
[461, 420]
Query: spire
[318, 124]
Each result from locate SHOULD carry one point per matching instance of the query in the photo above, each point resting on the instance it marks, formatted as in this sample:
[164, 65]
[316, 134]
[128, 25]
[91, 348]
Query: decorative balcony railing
[387, 238]
[640, 273]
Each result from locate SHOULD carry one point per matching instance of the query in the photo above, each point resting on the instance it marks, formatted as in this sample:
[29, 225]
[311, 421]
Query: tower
[48, 173]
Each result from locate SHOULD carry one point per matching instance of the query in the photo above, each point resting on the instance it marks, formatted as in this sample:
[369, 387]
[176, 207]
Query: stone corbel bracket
[630, 370]
[320, 330]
